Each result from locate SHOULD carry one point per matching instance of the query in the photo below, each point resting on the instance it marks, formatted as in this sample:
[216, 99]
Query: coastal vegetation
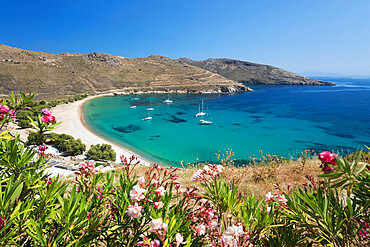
[33, 109]
[318, 200]
[101, 152]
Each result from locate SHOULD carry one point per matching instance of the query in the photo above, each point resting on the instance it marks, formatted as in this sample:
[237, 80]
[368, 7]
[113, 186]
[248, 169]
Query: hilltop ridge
[252, 73]
[59, 75]
[71, 73]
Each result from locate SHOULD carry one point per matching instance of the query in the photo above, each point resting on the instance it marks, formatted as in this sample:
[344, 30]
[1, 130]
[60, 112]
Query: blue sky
[303, 36]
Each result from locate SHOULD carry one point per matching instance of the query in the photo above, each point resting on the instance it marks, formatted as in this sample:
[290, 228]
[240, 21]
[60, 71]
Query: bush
[32, 112]
[67, 143]
[156, 210]
[102, 152]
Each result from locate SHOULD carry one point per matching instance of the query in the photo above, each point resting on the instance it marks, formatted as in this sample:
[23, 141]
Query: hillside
[53, 75]
[252, 73]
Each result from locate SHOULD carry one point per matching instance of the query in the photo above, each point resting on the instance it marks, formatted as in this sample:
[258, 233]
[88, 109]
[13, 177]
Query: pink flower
[212, 225]
[156, 225]
[281, 199]
[219, 168]
[327, 169]
[4, 109]
[234, 230]
[228, 241]
[198, 175]
[46, 112]
[200, 229]
[43, 148]
[158, 205]
[141, 181]
[134, 211]
[269, 197]
[332, 159]
[160, 191]
[1, 223]
[155, 243]
[137, 193]
[179, 239]
[12, 114]
[46, 119]
[327, 157]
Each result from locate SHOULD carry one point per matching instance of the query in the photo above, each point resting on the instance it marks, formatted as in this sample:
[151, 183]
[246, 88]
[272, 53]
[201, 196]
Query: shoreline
[73, 123]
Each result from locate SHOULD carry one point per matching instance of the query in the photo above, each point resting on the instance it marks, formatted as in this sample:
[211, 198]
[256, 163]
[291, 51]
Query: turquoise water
[281, 120]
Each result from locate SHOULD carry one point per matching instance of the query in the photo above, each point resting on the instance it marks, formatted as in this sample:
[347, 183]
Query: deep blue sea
[280, 120]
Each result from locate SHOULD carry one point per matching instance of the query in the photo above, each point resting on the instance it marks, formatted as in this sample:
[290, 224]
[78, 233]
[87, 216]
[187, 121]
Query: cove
[280, 120]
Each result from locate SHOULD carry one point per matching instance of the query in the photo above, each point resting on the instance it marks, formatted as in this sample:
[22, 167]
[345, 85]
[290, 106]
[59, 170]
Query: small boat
[136, 98]
[133, 106]
[201, 111]
[148, 117]
[168, 101]
[207, 120]
[150, 108]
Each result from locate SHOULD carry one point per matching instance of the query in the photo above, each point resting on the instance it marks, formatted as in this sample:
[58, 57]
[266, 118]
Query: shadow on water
[127, 129]
[176, 120]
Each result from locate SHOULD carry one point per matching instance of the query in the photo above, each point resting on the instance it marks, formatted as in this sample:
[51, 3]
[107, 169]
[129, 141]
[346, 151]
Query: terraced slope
[65, 74]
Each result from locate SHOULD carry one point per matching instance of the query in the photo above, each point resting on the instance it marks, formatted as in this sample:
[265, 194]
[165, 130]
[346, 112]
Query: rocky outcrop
[252, 73]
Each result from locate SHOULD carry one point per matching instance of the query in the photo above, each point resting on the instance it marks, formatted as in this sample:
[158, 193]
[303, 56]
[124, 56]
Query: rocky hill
[65, 74]
[252, 73]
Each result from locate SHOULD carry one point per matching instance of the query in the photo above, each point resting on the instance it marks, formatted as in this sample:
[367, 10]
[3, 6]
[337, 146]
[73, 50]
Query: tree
[102, 152]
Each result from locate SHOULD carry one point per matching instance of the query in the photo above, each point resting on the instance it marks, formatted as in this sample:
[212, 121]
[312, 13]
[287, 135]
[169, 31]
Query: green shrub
[102, 152]
[67, 143]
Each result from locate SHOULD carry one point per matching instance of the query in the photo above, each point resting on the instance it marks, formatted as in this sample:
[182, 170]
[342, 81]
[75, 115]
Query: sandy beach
[71, 116]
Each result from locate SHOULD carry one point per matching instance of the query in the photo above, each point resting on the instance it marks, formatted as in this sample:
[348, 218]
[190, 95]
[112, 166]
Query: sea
[277, 120]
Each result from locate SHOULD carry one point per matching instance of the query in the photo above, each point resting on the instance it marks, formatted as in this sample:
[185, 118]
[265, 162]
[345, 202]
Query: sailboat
[150, 108]
[148, 117]
[201, 111]
[168, 101]
[207, 120]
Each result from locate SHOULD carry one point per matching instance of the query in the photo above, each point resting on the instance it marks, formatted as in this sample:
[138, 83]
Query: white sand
[72, 124]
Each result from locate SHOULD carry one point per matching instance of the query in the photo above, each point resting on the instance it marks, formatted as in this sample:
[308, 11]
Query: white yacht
[133, 106]
[148, 117]
[168, 101]
[201, 111]
[207, 120]
[150, 108]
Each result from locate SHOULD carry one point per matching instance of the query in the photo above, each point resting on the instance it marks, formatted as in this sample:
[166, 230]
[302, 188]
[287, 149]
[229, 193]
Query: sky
[325, 37]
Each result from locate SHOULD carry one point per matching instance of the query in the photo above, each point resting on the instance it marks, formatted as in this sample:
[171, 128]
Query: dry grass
[257, 179]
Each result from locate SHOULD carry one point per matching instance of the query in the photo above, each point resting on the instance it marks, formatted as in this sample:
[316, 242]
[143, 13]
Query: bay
[280, 120]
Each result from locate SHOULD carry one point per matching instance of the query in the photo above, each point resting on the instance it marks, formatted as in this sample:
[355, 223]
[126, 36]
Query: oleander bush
[155, 209]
